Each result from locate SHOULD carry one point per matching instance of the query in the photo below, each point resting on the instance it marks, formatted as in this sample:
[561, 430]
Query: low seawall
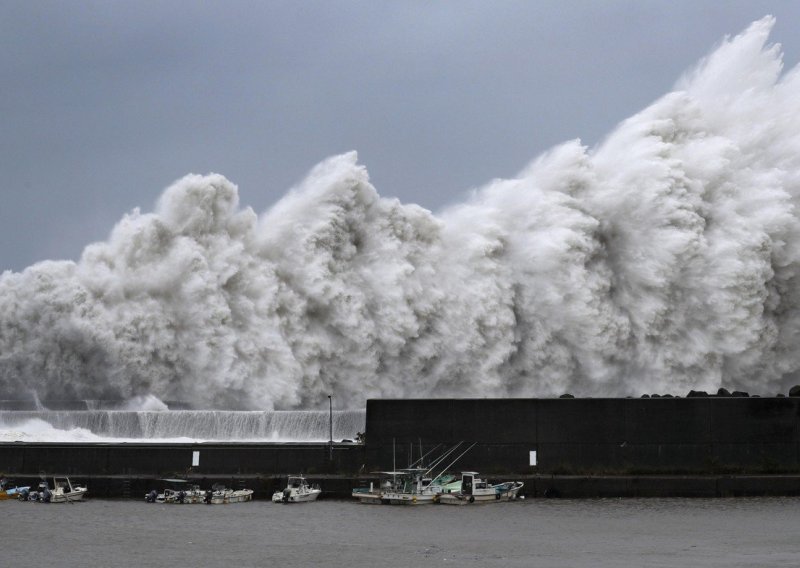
[130, 470]
[173, 460]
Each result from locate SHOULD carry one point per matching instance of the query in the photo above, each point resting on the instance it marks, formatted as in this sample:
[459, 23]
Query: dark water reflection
[557, 533]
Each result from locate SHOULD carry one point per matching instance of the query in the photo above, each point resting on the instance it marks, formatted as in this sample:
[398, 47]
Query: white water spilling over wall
[663, 260]
[179, 425]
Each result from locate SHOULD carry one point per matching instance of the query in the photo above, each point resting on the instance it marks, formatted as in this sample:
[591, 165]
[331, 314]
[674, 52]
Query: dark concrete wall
[176, 459]
[571, 436]
[658, 435]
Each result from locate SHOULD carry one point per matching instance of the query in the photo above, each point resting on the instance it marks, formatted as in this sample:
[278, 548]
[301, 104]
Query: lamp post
[330, 416]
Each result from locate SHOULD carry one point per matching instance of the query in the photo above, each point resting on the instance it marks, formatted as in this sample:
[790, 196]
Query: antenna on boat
[458, 458]
[424, 456]
[441, 458]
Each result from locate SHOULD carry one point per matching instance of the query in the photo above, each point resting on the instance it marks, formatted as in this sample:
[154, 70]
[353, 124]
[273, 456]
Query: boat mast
[458, 458]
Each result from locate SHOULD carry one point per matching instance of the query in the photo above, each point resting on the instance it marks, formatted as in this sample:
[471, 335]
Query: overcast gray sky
[104, 103]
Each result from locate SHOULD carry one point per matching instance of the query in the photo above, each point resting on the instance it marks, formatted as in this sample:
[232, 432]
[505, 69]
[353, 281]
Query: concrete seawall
[704, 447]
[708, 435]
[171, 460]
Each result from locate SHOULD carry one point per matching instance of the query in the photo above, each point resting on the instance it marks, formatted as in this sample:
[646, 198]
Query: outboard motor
[286, 493]
[209, 495]
[181, 496]
[151, 497]
[46, 496]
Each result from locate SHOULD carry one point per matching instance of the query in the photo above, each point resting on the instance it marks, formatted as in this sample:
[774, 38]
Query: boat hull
[69, 496]
[279, 497]
[230, 497]
[498, 494]
[410, 498]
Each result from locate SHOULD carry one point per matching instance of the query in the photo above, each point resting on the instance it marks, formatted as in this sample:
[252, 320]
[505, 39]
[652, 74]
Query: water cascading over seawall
[665, 259]
[179, 425]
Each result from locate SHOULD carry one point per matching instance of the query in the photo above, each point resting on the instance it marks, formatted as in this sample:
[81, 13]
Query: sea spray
[180, 425]
[664, 259]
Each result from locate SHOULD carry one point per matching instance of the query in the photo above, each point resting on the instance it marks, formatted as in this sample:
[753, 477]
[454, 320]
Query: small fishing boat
[472, 489]
[373, 495]
[7, 492]
[62, 492]
[413, 488]
[297, 491]
[221, 495]
[177, 492]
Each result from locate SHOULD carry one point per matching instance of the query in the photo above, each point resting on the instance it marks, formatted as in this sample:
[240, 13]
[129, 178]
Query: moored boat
[220, 495]
[177, 492]
[7, 492]
[413, 488]
[473, 489]
[64, 491]
[410, 486]
[373, 495]
[297, 491]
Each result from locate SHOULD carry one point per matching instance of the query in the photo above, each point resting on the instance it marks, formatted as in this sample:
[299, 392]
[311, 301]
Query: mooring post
[330, 438]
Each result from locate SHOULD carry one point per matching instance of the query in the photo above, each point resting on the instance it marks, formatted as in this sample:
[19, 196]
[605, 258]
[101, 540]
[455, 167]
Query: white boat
[373, 495]
[181, 492]
[473, 489]
[187, 496]
[62, 492]
[178, 492]
[404, 487]
[220, 495]
[297, 491]
[413, 488]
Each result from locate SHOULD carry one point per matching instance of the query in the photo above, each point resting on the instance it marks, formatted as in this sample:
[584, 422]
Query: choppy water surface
[541, 533]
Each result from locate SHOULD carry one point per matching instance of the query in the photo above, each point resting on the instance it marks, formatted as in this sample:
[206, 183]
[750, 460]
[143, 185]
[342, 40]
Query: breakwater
[707, 447]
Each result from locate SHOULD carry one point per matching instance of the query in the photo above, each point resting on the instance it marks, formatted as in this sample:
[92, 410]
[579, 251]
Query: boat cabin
[470, 482]
[62, 485]
[296, 482]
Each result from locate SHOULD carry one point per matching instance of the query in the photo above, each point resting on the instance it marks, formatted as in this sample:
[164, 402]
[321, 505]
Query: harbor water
[533, 533]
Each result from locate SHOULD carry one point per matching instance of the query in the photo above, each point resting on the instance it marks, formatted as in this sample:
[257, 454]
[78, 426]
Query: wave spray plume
[664, 259]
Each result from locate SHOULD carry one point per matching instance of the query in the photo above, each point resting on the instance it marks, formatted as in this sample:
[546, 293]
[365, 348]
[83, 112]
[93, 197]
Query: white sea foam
[664, 259]
[179, 426]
